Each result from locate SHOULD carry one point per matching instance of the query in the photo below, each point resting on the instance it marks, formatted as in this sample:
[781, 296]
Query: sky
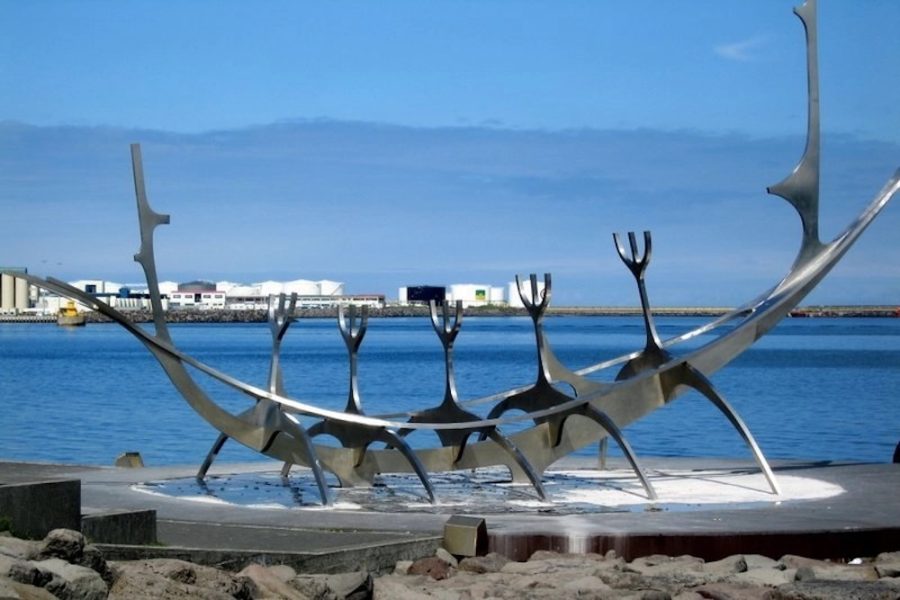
[402, 143]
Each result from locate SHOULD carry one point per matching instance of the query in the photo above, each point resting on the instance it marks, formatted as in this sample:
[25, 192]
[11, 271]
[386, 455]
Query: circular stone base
[489, 491]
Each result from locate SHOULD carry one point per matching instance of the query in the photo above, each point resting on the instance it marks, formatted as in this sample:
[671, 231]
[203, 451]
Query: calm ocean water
[813, 388]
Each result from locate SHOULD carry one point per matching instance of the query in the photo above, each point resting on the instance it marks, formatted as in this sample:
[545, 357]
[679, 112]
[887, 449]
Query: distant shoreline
[260, 316]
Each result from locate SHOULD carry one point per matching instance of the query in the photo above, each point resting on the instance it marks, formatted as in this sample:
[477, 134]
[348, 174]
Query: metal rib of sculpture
[645, 380]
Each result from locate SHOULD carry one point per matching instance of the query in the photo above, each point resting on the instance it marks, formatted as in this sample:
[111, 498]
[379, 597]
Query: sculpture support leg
[606, 423]
[505, 443]
[702, 384]
[211, 456]
[296, 431]
[389, 437]
[602, 450]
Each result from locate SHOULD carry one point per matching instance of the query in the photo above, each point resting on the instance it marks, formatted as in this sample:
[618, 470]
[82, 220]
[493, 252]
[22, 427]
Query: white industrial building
[310, 294]
[473, 294]
[15, 292]
[470, 294]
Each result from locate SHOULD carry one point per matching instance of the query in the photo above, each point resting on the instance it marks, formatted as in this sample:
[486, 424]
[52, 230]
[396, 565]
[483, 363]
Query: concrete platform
[828, 510]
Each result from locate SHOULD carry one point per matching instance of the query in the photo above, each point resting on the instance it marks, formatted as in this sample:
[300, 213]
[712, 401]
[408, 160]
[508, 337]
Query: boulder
[92, 558]
[770, 577]
[398, 587]
[283, 572]
[758, 561]
[266, 584]
[837, 590]
[180, 571]
[72, 582]
[727, 566]
[888, 569]
[339, 586]
[23, 571]
[490, 563]
[733, 591]
[65, 544]
[143, 584]
[445, 556]
[585, 587]
[16, 548]
[432, 566]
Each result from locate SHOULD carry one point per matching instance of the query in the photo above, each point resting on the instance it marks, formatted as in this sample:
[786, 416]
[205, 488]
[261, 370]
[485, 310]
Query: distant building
[15, 292]
[472, 294]
[422, 294]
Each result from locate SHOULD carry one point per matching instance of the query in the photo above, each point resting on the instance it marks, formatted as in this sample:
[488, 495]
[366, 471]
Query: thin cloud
[744, 50]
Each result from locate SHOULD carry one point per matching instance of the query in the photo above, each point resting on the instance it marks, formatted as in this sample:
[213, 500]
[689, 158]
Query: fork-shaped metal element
[637, 263]
[352, 339]
[267, 414]
[653, 354]
[358, 436]
[543, 394]
[447, 332]
[450, 411]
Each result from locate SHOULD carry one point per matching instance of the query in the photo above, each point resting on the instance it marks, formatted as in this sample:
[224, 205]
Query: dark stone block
[36, 508]
[134, 527]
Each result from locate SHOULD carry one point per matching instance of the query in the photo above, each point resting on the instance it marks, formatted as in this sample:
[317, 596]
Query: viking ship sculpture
[565, 409]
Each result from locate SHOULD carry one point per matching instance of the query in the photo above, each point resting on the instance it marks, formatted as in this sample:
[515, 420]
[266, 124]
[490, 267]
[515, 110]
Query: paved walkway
[865, 513]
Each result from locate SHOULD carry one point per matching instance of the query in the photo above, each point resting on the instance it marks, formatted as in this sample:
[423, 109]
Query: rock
[527, 568]
[21, 549]
[283, 572]
[490, 563]
[770, 577]
[733, 591]
[432, 566]
[338, 586]
[395, 587]
[836, 590]
[655, 595]
[23, 591]
[7, 591]
[727, 566]
[23, 571]
[445, 556]
[659, 564]
[72, 582]
[135, 584]
[888, 569]
[758, 561]
[688, 595]
[265, 584]
[92, 558]
[881, 558]
[586, 587]
[66, 544]
[402, 567]
[544, 555]
[179, 571]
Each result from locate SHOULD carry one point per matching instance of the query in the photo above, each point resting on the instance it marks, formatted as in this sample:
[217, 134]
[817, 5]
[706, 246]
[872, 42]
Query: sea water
[822, 389]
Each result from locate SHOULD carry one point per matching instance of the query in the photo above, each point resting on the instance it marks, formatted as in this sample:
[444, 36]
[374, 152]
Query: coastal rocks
[655, 577]
[40, 572]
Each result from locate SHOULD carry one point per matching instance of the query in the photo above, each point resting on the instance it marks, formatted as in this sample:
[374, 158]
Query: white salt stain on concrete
[603, 488]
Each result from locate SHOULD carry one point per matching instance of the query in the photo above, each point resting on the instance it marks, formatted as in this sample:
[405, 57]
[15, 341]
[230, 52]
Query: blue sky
[393, 143]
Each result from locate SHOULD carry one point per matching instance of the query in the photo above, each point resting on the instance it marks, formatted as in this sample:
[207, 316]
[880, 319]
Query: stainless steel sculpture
[567, 409]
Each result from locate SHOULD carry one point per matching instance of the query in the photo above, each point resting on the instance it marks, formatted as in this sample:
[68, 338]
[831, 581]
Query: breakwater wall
[260, 316]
